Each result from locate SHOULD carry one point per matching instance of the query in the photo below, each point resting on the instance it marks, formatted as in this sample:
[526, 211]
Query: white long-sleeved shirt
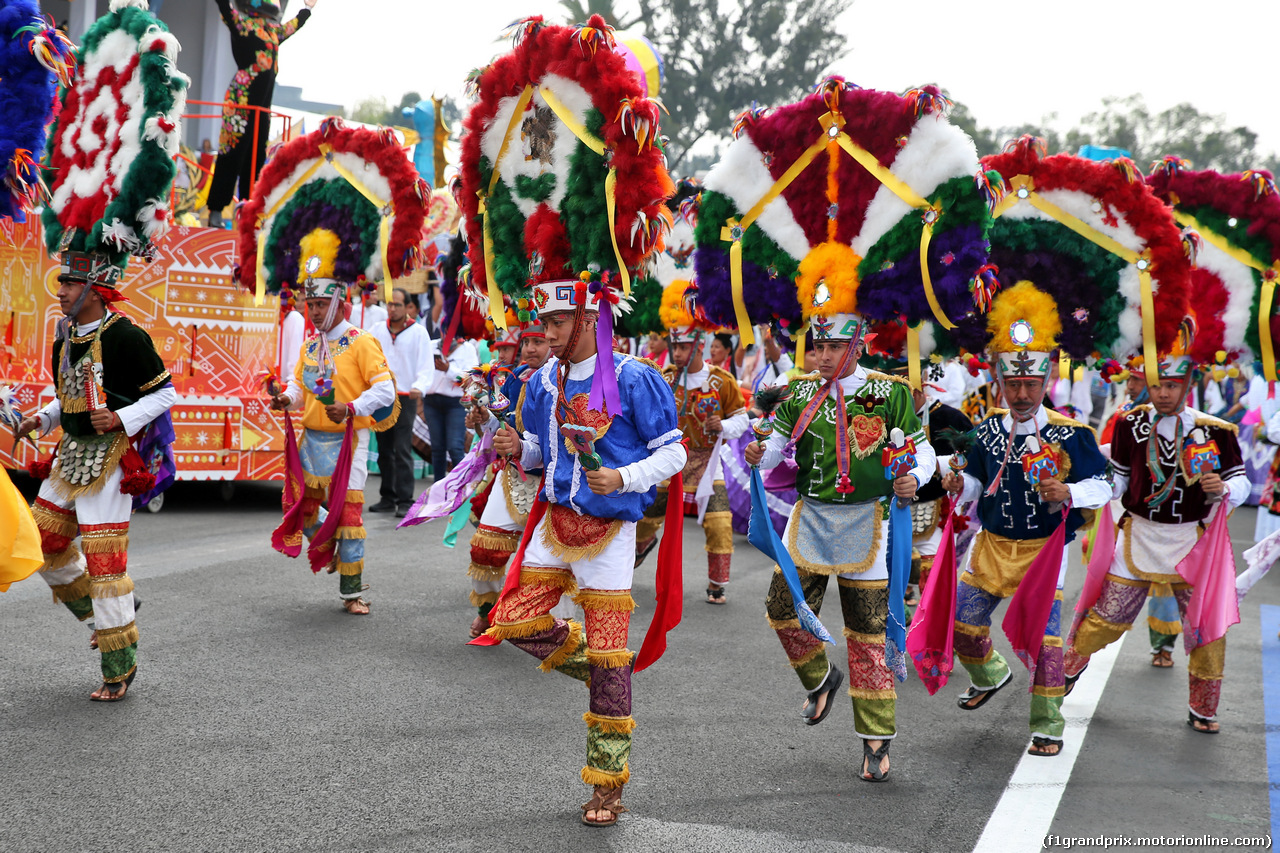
[461, 360]
[411, 356]
[1086, 494]
[133, 417]
[367, 317]
[640, 476]
[1238, 485]
[378, 396]
[731, 427]
[926, 459]
[293, 329]
[1077, 395]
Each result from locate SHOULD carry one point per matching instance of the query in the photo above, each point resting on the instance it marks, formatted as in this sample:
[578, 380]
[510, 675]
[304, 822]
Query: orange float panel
[215, 343]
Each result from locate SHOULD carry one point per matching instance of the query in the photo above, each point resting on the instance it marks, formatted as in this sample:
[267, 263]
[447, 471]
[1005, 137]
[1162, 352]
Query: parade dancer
[711, 412]
[514, 489]
[346, 388]
[112, 391]
[1169, 487]
[546, 199]
[314, 224]
[1058, 291]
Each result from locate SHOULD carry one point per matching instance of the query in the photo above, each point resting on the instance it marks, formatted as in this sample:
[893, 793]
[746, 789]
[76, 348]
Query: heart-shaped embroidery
[587, 417]
[868, 434]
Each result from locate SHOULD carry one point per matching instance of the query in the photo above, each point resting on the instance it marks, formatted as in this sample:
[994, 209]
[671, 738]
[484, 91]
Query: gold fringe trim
[1208, 661]
[115, 543]
[120, 678]
[1051, 692]
[808, 657]
[864, 639]
[611, 600]
[859, 584]
[612, 660]
[147, 386]
[613, 725]
[1164, 627]
[62, 558]
[571, 554]
[316, 493]
[975, 661]
[350, 533]
[518, 630]
[486, 573]
[111, 586]
[314, 482]
[390, 420]
[1052, 642]
[355, 497]
[562, 580]
[859, 693]
[1129, 581]
[55, 522]
[74, 591]
[566, 650]
[782, 624]
[592, 776]
[349, 569]
[973, 630]
[479, 598]
[73, 405]
[805, 567]
[110, 462]
[115, 639]
[490, 541]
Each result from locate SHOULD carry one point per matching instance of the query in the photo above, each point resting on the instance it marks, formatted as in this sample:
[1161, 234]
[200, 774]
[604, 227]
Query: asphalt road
[265, 718]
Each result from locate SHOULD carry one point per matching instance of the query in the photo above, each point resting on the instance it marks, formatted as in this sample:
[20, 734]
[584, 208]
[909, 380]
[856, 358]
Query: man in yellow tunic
[342, 376]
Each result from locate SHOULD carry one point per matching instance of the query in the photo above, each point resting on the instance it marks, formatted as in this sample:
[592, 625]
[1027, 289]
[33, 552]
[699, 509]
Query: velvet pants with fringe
[93, 580]
[717, 525]
[347, 544]
[1119, 605]
[988, 668]
[864, 605]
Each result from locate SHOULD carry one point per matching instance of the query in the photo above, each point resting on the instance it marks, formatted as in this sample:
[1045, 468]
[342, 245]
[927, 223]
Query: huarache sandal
[827, 688]
[1202, 725]
[645, 548]
[981, 694]
[1069, 681]
[478, 626]
[715, 594]
[871, 759]
[354, 605]
[115, 691]
[1046, 747]
[603, 799]
[1162, 659]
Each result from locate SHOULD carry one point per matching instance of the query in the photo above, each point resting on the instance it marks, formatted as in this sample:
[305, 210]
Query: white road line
[1025, 812]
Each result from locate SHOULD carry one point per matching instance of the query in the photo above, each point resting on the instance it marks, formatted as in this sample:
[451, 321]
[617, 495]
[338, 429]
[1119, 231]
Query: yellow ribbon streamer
[746, 331]
[611, 205]
[800, 338]
[1023, 189]
[1239, 255]
[868, 161]
[384, 237]
[913, 356]
[496, 309]
[260, 292]
[571, 121]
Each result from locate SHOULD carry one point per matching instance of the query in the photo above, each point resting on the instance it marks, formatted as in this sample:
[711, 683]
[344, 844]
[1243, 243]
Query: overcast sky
[1010, 61]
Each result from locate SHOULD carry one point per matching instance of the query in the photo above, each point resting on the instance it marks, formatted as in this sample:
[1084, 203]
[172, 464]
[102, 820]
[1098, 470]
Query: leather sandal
[1069, 681]
[982, 694]
[1162, 659]
[1040, 746]
[116, 690]
[604, 798]
[1201, 725]
[873, 757]
[479, 625]
[348, 603]
[828, 687]
[715, 594]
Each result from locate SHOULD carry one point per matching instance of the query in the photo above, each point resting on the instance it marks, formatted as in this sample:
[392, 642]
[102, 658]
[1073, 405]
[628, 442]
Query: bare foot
[93, 639]
[478, 626]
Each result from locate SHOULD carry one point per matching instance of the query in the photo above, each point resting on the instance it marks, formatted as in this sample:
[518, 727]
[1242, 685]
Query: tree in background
[578, 11]
[720, 58]
[369, 110]
[1127, 123]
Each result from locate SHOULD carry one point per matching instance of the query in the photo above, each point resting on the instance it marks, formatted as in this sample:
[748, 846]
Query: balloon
[642, 57]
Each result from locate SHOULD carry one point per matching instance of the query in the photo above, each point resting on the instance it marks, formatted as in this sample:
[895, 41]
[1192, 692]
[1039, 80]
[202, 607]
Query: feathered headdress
[464, 312]
[34, 57]
[825, 207]
[355, 183]
[681, 315]
[673, 263]
[1085, 257]
[109, 165]
[1233, 225]
[563, 176]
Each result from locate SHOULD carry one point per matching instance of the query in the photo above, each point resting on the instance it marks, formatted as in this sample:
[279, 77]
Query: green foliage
[721, 57]
[371, 110]
[578, 11]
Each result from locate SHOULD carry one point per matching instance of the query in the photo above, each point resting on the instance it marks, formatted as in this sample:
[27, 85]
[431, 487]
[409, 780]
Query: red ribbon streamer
[337, 500]
[291, 501]
[1028, 613]
[669, 579]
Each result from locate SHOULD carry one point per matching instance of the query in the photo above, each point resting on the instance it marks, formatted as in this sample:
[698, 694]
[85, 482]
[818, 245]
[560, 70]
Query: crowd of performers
[867, 263]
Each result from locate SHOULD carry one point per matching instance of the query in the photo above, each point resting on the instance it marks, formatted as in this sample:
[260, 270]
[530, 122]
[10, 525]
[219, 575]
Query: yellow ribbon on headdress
[832, 124]
[1269, 275]
[260, 291]
[610, 182]
[384, 208]
[1023, 189]
[913, 356]
[496, 309]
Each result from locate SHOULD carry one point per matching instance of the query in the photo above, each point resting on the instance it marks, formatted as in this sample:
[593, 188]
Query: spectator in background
[656, 350]
[442, 406]
[410, 354]
[720, 353]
